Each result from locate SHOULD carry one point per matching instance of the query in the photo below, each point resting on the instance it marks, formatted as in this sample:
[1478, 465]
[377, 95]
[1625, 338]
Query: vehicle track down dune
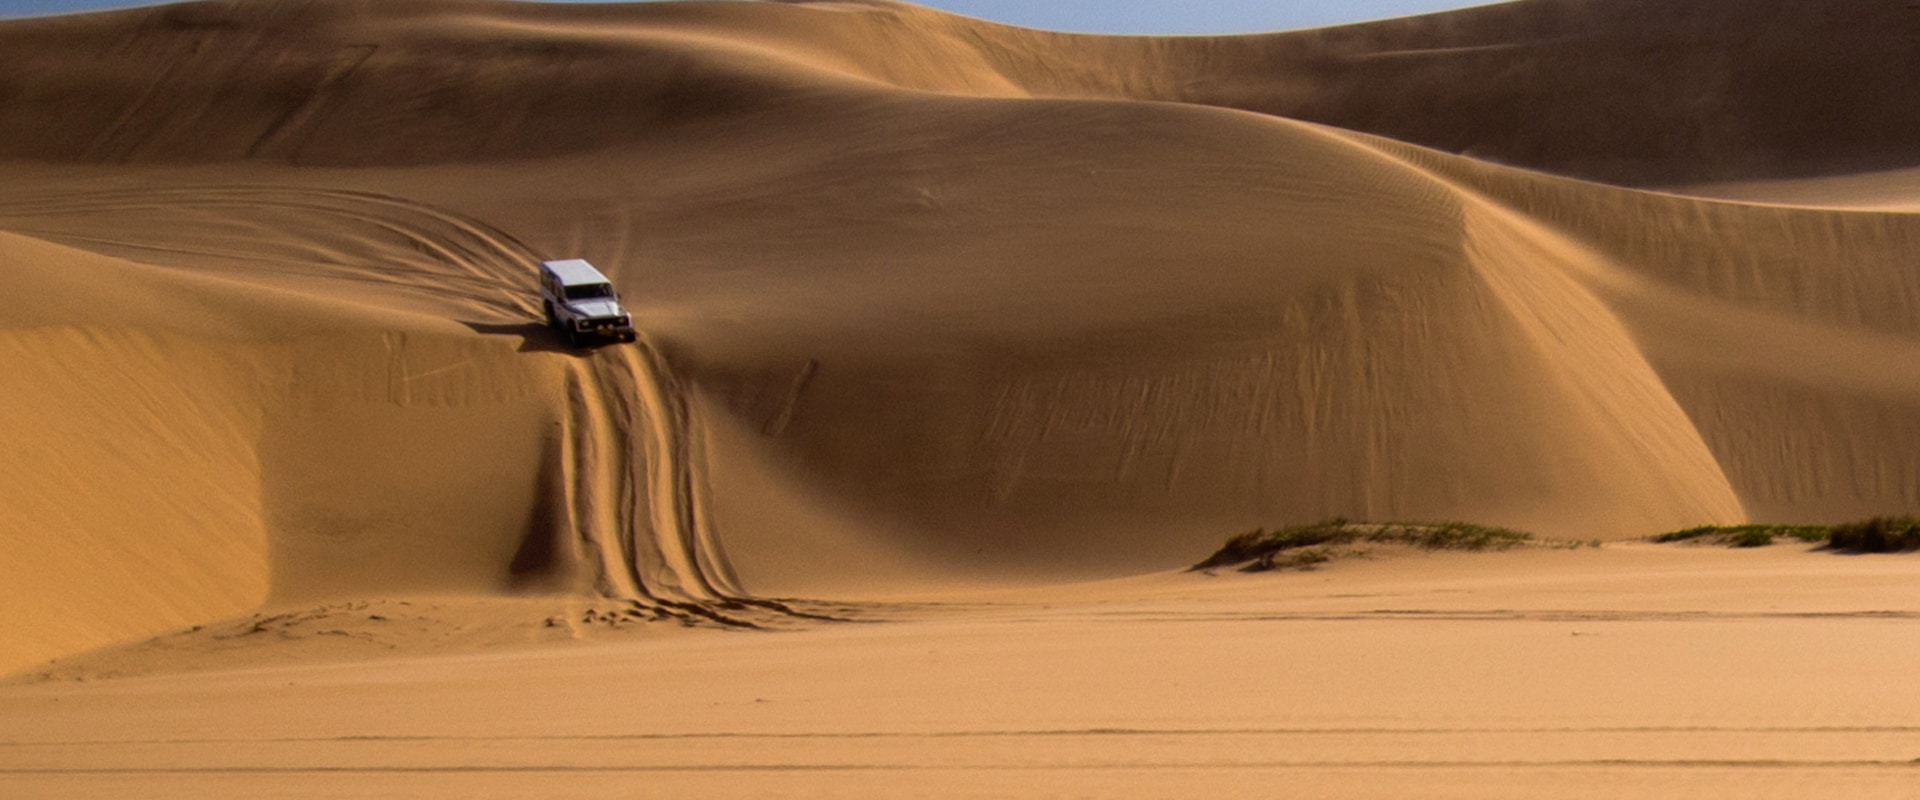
[346, 237]
[629, 487]
[635, 505]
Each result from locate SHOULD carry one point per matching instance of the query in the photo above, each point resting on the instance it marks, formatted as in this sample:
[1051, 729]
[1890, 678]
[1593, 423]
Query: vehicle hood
[595, 309]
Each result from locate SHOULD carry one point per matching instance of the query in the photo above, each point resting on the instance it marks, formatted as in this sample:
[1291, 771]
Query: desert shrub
[1455, 536]
[1238, 550]
[1877, 535]
[1685, 536]
[1306, 559]
[1261, 543]
[1811, 534]
[1746, 535]
[1289, 547]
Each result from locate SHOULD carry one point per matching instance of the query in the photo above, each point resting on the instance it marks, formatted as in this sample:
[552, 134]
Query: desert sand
[959, 342]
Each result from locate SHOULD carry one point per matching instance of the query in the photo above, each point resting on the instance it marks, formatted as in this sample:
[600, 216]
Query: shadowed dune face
[923, 296]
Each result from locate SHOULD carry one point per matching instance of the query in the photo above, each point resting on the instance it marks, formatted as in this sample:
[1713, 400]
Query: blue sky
[1089, 16]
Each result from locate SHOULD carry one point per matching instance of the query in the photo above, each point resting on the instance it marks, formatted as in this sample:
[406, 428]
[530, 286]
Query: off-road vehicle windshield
[589, 291]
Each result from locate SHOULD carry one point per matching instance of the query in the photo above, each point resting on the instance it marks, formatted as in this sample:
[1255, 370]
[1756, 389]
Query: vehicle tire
[573, 338]
[552, 321]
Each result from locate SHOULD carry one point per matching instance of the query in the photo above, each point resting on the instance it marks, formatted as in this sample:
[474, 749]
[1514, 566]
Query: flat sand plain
[959, 342]
[1631, 670]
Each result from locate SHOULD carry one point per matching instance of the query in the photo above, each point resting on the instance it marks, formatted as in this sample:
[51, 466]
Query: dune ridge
[1623, 90]
[923, 296]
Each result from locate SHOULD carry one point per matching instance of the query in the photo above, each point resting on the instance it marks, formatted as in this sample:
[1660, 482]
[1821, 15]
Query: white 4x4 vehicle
[581, 303]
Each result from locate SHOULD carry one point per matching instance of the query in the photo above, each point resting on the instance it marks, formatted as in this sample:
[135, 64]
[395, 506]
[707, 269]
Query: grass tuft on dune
[1876, 535]
[1746, 535]
[1305, 546]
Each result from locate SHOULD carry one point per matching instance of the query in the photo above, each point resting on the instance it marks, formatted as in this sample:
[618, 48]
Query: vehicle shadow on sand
[534, 337]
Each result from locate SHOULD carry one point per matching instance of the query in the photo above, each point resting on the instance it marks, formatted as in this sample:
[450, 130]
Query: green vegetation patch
[1877, 535]
[1307, 546]
[1746, 535]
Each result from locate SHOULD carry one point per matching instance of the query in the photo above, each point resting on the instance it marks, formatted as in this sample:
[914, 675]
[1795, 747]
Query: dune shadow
[541, 562]
[534, 337]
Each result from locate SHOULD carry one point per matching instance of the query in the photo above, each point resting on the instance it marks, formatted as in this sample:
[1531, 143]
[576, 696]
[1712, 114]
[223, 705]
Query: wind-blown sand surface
[951, 327]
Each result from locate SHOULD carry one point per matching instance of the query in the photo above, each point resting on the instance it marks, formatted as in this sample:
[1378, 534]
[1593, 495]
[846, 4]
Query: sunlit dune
[977, 334]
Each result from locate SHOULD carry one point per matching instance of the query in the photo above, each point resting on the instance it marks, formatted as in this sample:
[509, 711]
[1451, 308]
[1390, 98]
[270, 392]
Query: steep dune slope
[922, 294]
[185, 448]
[1071, 355]
[1787, 333]
[181, 450]
[117, 528]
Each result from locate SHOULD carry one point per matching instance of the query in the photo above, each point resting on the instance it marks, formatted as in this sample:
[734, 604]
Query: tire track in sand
[294, 231]
[631, 460]
[633, 467]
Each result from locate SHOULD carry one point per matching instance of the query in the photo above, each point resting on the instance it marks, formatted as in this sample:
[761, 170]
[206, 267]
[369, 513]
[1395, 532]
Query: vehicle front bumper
[609, 326]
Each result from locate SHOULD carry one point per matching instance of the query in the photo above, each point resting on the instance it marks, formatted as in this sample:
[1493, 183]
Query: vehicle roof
[574, 271]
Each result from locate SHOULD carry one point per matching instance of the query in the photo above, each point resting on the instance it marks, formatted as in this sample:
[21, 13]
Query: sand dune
[1634, 90]
[935, 297]
[928, 302]
[190, 446]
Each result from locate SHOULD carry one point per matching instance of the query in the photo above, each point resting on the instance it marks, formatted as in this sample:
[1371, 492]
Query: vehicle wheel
[552, 321]
[629, 337]
[573, 338]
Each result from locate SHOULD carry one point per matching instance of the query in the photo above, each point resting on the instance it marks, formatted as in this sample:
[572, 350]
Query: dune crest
[1636, 91]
